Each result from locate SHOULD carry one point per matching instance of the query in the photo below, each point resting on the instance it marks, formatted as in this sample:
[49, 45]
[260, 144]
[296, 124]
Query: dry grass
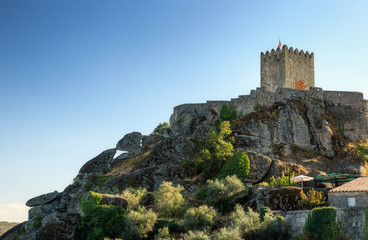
[128, 164]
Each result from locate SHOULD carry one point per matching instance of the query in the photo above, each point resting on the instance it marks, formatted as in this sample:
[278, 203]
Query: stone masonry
[286, 68]
[348, 109]
[352, 219]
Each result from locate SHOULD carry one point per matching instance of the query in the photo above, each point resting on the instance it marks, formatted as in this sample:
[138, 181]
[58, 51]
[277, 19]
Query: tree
[216, 150]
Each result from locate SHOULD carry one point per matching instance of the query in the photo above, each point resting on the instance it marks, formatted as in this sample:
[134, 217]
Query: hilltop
[281, 128]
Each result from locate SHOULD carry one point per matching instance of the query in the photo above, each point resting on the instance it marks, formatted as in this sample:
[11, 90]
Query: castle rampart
[289, 74]
[348, 109]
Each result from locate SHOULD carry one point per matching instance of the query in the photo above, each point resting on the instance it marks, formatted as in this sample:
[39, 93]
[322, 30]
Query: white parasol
[301, 178]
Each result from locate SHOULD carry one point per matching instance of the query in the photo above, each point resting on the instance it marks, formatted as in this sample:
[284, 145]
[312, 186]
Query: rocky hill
[296, 134]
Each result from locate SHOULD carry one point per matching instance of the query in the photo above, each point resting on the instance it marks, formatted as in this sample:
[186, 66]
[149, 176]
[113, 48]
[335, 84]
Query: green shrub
[134, 196]
[226, 234]
[159, 130]
[321, 224]
[263, 212]
[101, 221]
[196, 235]
[244, 222]
[169, 200]
[217, 148]
[201, 217]
[142, 221]
[202, 194]
[361, 151]
[103, 179]
[250, 226]
[37, 221]
[228, 113]
[342, 130]
[220, 189]
[237, 165]
[312, 200]
[282, 181]
[163, 234]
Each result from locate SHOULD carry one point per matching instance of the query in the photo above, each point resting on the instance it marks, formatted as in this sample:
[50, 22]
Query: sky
[76, 76]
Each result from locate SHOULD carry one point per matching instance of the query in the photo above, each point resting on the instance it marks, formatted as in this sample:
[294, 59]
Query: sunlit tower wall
[287, 68]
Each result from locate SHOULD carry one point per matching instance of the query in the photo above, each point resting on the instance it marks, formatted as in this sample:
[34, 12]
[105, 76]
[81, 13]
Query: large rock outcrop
[294, 133]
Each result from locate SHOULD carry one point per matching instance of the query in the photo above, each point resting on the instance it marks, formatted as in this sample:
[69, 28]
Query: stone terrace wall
[296, 221]
[352, 219]
[348, 109]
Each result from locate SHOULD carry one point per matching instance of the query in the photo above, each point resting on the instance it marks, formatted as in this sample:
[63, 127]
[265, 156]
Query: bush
[197, 235]
[102, 221]
[282, 181]
[244, 222]
[134, 196]
[321, 224]
[171, 224]
[199, 218]
[142, 221]
[159, 130]
[218, 190]
[163, 234]
[361, 151]
[169, 200]
[312, 200]
[263, 212]
[250, 226]
[228, 113]
[226, 234]
[237, 165]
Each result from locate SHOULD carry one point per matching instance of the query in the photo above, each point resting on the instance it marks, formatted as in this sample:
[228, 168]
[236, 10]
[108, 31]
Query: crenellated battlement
[285, 50]
[287, 68]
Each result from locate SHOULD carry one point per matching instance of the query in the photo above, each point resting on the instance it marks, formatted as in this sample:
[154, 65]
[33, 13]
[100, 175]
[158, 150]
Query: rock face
[286, 130]
[131, 143]
[43, 199]
[100, 164]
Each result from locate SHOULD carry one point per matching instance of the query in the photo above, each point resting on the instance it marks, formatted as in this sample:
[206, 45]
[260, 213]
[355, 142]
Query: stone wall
[340, 199]
[296, 221]
[287, 68]
[348, 109]
[352, 219]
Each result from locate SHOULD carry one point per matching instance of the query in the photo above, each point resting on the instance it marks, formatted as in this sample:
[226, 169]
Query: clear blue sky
[76, 76]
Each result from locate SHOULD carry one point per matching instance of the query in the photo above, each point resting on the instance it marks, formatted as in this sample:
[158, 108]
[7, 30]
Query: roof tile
[357, 185]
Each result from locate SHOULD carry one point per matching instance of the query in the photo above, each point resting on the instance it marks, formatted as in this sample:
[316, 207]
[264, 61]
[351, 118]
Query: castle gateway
[286, 68]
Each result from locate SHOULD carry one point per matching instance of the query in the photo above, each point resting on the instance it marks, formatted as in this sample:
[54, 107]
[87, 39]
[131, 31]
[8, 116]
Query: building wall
[273, 69]
[340, 199]
[299, 69]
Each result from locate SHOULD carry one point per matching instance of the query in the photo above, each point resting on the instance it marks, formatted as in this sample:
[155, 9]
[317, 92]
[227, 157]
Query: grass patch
[128, 164]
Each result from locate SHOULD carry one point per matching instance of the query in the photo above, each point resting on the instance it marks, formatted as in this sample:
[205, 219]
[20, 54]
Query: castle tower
[286, 68]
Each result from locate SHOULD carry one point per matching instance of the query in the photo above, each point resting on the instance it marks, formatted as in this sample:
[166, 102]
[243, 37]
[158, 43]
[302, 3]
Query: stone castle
[288, 74]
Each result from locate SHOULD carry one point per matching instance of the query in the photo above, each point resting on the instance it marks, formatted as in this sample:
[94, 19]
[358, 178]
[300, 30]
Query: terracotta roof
[357, 185]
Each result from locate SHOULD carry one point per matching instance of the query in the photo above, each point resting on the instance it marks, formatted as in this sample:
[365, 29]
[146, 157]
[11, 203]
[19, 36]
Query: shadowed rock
[130, 142]
[43, 199]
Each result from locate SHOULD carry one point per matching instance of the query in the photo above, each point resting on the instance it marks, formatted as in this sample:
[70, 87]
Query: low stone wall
[352, 219]
[296, 221]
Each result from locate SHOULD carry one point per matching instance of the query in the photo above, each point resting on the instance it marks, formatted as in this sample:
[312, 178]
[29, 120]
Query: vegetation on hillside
[5, 226]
